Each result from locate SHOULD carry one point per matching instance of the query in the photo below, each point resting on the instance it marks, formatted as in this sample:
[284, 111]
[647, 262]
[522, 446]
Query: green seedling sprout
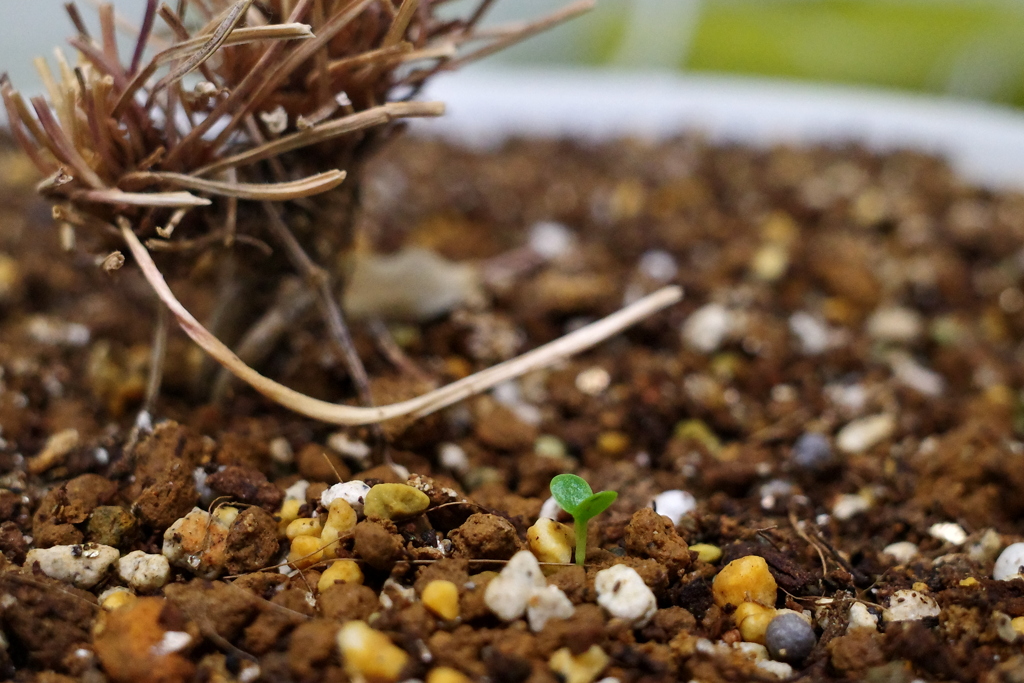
[575, 496]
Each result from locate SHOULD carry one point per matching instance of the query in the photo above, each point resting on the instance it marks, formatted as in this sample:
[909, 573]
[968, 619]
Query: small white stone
[901, 551]
[912, 374]
[249, 673]
[950, 532]
[297, 491]
[550, 239]
[895, 324]
[674, 504]
[281, 451]
[624, 595]
[453, 457]
[813, 334]
[849, 505]
[910, 605]
[708, 327]
[352, 492]
[850, 399]
[545, 604]
[861, 617]
[550, 509]
[777, 669]
[348, 448]
[593, 381]
[865, 432]
[658, 265]
[144, 571]
[1004, 627]
[56, 332]
[83, 566]
[173, 641]
[753, 651]
[985, 548]
[1008, 565]
[508, 594]
[206, 494]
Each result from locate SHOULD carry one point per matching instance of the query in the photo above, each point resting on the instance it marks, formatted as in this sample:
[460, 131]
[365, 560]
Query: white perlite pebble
[624, 595]
[550, 509]
[901, 551]
[83, 566]
[550, 239]
[658, 265]
[707, 327]
[297, 491]
[173, 641]
[985, 548]
[863, 433]
[950, 532]
[896, 324]
[813, 334]
[348, 448]
[352, 492]
[545, 604]
[674, 504]
[848, 505]
[777, 669]
[912, 374]
[861, 617]
[1008, 565]
[910, 605]
[281, 451]
[453, 457]
[143, 571]
[509, 593]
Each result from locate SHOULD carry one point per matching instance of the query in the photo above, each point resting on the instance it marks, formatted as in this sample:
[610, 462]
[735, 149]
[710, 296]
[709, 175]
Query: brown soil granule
[486, 536]
[377, 542]
[654, 536]
[247, 486]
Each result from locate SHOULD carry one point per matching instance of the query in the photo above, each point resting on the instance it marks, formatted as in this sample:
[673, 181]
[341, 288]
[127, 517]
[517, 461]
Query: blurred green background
[966, 48]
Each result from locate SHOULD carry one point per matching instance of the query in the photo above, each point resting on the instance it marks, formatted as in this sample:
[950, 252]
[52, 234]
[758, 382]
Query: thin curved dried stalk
[172, 200]
[208, 48]
[282, 71]
[420, 406]
[377, 116]
[278, 192]
[185, 48]
[241, 92]
[239, 36]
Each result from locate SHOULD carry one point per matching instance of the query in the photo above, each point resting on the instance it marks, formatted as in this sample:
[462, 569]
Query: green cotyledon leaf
[570, 491]
[595, 505]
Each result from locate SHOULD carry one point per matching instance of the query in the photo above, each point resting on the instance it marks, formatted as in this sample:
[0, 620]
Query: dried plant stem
[390, 349]
[326, 131]
[319, 282]
[293, 302]
[278, 192]
[522, 32]
[157, 356]
[420, 406]
[172, 200]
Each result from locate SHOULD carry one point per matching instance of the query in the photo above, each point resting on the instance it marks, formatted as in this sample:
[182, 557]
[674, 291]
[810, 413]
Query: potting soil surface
[828, 428]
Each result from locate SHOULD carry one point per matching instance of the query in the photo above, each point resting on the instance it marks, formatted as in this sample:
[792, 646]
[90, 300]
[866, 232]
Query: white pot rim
[983, 142]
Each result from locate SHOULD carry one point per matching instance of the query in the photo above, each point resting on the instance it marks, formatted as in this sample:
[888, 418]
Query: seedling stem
[574, 495]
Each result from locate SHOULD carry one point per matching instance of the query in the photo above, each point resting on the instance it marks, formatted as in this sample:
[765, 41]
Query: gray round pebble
[813, 452]
[789, 638]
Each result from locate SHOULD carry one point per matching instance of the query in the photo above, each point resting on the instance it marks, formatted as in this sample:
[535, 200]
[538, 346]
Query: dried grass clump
[238, 136]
